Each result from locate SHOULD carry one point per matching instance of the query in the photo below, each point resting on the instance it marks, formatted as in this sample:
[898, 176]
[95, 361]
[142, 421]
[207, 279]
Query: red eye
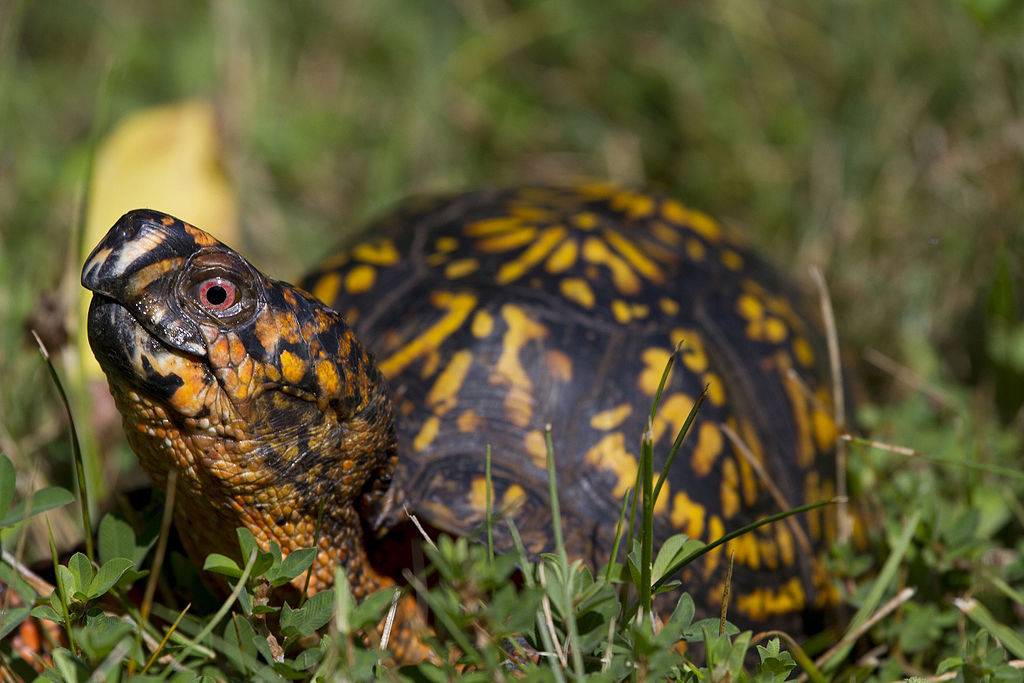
[217, 294]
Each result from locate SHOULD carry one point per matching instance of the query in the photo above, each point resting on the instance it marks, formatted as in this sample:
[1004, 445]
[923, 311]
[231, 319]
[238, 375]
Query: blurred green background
[881, 141]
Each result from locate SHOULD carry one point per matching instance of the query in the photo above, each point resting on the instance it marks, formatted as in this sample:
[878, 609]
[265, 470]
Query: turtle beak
[134, 265]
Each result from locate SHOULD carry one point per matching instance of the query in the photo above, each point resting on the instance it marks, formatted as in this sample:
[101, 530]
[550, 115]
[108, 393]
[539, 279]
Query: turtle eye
[217, 294]
[217, 284]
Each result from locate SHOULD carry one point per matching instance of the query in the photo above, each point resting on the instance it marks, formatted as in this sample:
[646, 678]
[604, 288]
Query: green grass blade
[646, 523]
[677, 444]
[734, 534]
[885, 578]
[979, 614]
[76, 449]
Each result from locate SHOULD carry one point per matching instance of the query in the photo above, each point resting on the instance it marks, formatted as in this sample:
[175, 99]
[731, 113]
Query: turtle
[526, 321]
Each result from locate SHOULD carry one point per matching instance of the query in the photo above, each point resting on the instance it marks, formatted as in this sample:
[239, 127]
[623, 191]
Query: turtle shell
[503, 319]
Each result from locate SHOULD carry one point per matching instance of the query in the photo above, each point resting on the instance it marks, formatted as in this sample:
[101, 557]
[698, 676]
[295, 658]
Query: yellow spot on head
[668, 306]
[611, 418]
[293, 368]
[360, 279]
[327, 378]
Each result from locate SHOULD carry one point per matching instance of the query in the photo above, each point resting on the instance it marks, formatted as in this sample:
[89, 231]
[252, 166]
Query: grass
[879, 141]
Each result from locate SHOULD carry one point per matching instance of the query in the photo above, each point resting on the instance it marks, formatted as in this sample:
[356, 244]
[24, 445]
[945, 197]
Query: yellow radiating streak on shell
[444, 393]
[611, 418]
[596, 251]
[458, 306]
[382, 253]
[360, 279]
[534, 254]
[761, 603]
[327, 288]
[687, 515]
[578, 290]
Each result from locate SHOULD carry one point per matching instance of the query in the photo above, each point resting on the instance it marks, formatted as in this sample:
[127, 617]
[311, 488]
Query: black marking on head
[161, 386]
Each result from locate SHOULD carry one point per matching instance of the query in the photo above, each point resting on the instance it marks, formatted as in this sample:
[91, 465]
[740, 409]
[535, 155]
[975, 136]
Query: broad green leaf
[117, 539]
[12, 617]
[297, 562]
[674, 549]
[42, 500]
[305, 620]
[221, 564]
[46, 612]
[81, 569]
[66, 581]
[246, 541]
[108, 575]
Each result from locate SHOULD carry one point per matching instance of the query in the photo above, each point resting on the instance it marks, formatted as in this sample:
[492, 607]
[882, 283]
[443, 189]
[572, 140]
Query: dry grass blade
[911, 379]
[419, 528]
[76, 449]
[848, 639]
[773, 490]
[389, 621]
[167, 636]
[161, 546]
[549, 622]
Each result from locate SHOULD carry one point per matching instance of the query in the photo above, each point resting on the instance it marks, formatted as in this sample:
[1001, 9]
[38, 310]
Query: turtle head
[257, 394]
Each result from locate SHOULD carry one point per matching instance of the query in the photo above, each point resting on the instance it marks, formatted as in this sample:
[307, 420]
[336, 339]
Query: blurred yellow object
[167, 158]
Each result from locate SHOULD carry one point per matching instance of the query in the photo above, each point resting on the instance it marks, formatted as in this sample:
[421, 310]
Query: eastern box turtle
[485, 318]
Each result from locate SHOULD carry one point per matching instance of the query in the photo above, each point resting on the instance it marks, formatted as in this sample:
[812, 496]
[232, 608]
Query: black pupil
[216, 295]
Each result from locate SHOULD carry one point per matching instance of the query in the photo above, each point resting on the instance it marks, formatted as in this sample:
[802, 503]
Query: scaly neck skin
[271, 462]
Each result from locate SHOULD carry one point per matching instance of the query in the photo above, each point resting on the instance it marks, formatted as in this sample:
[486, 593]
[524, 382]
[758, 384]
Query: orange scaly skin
[490, 315]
